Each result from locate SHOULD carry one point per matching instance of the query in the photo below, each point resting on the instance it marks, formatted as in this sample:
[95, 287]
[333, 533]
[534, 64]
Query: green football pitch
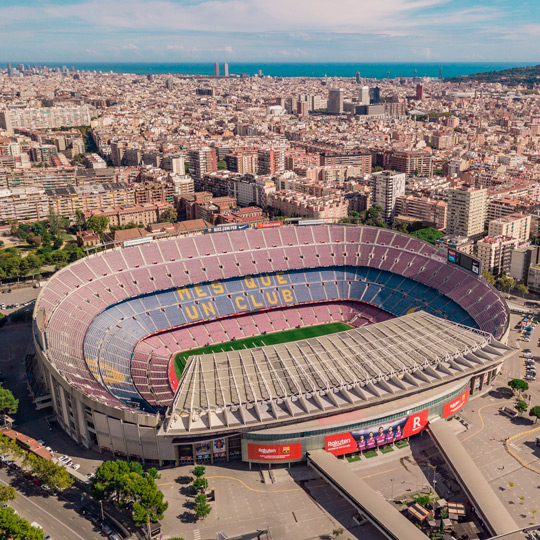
[259, 341]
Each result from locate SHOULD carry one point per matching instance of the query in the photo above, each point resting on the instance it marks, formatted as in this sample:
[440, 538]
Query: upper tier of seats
[147, 277]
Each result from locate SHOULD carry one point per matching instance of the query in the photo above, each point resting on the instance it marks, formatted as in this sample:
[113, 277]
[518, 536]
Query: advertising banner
[381, 434]
[275, 452]
[452, 407]
[342, 443]
[219, 446]
[270, 224]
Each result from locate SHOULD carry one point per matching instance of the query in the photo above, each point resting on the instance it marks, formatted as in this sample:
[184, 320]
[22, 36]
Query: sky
[270, 30]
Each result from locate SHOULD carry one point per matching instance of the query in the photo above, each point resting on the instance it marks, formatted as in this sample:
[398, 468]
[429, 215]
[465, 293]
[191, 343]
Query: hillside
[526, 76]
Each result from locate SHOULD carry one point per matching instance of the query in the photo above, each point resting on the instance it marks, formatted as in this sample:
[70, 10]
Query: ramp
[367, 501]
[487, 505]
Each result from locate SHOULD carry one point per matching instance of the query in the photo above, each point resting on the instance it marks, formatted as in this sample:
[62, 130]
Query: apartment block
[466, 211]
[514, 226]
[429, 211]
[386, 187]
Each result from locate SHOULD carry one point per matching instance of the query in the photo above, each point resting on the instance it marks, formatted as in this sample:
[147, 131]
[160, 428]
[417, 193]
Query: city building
[514, 226]
[225, 69]
[216, 69]
[412, 163]
[364, 98]
[419, 91]
[522, 259]
[429, 211]
[386, 187]
[466, 211]
[201, 162]
[495, 254]
[44, 118]
[335, 100]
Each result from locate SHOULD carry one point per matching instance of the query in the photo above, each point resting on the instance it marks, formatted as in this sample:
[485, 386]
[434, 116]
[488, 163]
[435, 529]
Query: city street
[58, 518]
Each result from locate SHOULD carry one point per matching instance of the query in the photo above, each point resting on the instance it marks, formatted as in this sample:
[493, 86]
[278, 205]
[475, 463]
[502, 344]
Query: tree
[200, 485]
[198, 471]
[8, 404]
[521, 406]
[53, 475]
[13, 527]
[202, 508]
[7, 493]
[123, 482]
[79, 219]
[535, 411]
[518, 385]
[429, 234]
[98, 224]
[222, 165]
[169, 216]
[337, 532]
[34, 239]
[522, 289]
[506, 283]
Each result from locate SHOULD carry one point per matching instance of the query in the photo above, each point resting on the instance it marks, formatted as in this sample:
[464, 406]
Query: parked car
[76, 466]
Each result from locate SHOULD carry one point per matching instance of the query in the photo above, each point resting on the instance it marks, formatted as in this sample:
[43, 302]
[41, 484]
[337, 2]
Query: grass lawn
[401, 444]
[370, 453]
[353, 458]
[274, 338]
[386, 450]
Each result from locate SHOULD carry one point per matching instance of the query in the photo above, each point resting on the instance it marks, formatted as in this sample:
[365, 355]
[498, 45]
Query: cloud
[130, 47]
[175, 47]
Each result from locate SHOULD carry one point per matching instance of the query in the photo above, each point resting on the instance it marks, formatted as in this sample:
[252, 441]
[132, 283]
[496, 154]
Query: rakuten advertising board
[452, 407]
[376, 435]
[274, 452]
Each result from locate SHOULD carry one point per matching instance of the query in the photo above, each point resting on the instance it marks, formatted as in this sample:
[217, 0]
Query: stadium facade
[424, 335]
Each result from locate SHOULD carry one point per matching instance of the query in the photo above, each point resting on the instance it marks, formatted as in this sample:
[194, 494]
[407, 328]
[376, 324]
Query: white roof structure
[337, 372]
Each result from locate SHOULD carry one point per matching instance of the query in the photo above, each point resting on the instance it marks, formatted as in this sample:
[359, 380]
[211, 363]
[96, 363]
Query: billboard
[269, 224]
[452, 407]
[274, 452]
[222, 228]
[342, 443]
[377, 435]
[465, 261]
[219, 446]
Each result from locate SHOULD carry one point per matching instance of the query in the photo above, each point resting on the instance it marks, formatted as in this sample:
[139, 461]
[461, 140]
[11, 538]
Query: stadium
[263, 343]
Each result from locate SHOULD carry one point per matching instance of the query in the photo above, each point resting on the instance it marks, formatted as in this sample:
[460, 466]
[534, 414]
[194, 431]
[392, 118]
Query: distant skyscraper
[150, 77]
[375, 95]
[225, 69]
[9, 69]
[358, 78]
[216, 69]
[364, 95]
[415, 74]
[169, 84]
[420, 91]
[261, 73]
[440, 72]
[335, 100]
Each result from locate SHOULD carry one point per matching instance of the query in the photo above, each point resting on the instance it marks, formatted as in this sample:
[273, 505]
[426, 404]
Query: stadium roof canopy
[336, 372]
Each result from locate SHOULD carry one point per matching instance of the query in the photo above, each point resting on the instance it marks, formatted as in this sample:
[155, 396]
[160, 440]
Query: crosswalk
[196, 534]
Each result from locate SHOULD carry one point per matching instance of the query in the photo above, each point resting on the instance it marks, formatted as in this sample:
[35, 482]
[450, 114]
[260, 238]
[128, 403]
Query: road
[58, 518]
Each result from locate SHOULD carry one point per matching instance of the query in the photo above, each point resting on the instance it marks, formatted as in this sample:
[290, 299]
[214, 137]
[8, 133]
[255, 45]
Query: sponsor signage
[138, 241]
[270, 224]
[416, 423]
[342, 443]
[225, 228]
[275, 452]
[452, 407]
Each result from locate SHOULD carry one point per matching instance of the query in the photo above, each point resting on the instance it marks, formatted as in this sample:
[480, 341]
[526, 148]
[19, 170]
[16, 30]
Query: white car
[90, 475]
[76, 466]
[65, 460]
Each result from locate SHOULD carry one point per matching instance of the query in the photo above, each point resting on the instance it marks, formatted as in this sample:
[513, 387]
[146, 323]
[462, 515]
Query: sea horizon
[369, 70]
